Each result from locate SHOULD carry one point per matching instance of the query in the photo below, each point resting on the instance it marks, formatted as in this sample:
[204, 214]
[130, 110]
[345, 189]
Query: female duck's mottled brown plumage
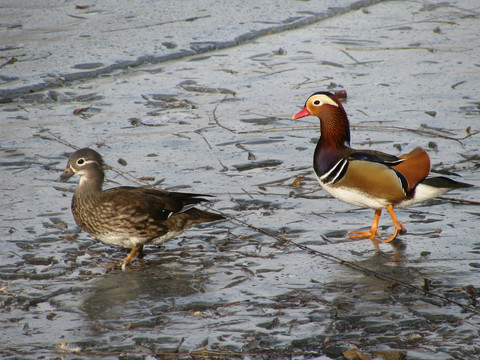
[368, 178]
[127, 216]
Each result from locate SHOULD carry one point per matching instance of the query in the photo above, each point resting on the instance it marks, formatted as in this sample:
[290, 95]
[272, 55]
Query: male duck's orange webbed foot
[399, 228]
[360, 234]
[355, 235]
[136, 250]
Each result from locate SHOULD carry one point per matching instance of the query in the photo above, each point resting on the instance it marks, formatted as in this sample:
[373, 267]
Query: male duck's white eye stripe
[319, 100]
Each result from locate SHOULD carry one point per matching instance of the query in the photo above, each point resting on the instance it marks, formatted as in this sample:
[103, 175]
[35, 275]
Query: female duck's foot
[136, 251]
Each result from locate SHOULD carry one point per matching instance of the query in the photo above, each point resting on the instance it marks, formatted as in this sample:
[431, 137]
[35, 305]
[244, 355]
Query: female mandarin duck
[368, 178]
[127, 216]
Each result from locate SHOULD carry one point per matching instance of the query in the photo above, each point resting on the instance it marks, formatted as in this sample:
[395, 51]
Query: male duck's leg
[369, 234]
[398, 226]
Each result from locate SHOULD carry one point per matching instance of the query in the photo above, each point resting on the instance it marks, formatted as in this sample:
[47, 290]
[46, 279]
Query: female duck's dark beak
[67, 174]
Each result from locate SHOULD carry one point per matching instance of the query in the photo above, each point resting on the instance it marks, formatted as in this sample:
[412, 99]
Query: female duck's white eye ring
[317, 102]
[80, 161]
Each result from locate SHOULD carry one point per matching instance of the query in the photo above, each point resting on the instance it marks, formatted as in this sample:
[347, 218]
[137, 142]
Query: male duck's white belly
[354, 197]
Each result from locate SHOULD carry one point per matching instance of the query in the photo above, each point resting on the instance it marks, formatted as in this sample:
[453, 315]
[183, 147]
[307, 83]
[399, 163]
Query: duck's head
[334, 124]
[320, 104]
[86, 163]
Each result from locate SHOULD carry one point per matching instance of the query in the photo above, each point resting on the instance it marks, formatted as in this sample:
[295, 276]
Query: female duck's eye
[80, 161]
[317, 102]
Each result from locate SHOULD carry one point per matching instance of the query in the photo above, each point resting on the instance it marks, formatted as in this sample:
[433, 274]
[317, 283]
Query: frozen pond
[278, 279]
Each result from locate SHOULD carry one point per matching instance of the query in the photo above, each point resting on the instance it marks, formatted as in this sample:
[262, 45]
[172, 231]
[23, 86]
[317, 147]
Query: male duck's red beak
[302, 113]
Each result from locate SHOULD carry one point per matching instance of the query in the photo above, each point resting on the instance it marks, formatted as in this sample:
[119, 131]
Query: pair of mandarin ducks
[132, 217]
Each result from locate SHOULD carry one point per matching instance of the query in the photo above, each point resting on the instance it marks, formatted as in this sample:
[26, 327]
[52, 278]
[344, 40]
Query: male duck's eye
[317, 102]
[80, 161]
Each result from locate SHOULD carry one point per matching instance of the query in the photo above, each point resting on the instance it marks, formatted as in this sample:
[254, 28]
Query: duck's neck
[90, 186]
[334, 140]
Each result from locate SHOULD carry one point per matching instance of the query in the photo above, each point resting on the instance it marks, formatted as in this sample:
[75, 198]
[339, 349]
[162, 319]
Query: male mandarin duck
[128, 216]
[368, 178]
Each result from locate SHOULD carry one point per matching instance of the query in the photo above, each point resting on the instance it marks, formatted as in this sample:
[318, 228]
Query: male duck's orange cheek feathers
[415, 167]
[302, 113]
